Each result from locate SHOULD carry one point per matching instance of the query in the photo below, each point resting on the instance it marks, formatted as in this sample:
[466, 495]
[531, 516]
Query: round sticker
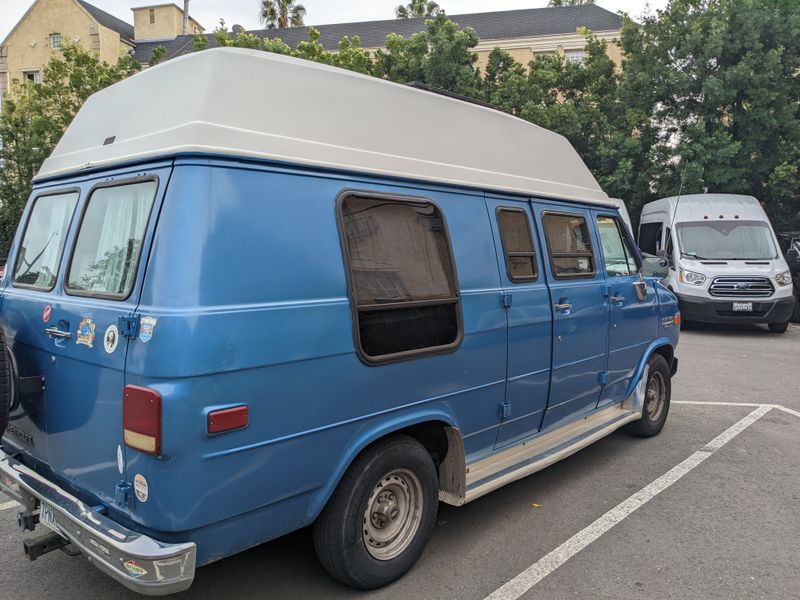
[46, 313]
[111, 339]
[140, 488]
[120, 460]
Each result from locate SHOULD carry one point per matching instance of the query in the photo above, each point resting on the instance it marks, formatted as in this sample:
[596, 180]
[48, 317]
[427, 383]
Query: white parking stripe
[8, 505]
[785, 409]
[523, 582]
[789, 410]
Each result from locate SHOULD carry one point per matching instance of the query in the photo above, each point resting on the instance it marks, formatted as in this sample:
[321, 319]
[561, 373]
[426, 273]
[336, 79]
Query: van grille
[741, 287]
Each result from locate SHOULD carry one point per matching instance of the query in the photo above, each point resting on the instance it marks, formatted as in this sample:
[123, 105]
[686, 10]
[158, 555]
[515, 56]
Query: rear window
[402, 278]
[43, 243]
[109, 243]
[515, 233]
[571, 252]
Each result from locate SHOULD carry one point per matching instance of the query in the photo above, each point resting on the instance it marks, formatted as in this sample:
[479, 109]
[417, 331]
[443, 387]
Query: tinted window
[570, 248]
[43, 243]
[515, 232]
[109, 242]
[402, 279]
[617, 253]
[650, 238]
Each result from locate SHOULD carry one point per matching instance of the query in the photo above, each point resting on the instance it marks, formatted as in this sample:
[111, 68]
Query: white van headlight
[784, 278]
[692, 278]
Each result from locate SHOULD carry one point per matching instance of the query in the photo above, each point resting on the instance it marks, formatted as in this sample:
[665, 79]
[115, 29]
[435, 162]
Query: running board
[529, 457]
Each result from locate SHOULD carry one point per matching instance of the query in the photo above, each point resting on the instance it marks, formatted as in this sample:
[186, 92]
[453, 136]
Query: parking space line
[8, 505]
[523, 582]
[785, 409]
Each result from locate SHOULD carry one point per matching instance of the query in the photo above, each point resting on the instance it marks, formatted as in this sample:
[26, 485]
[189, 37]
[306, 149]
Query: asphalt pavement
[708, 509]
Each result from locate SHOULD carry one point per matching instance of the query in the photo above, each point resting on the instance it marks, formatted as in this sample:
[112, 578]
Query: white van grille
[741, 287]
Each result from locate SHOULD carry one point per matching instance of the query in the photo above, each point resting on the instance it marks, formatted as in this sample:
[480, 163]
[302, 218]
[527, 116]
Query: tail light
[141, 419]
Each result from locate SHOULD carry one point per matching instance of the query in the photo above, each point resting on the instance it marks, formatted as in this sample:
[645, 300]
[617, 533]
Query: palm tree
[418, 8]
[570, 2]
[282, 13]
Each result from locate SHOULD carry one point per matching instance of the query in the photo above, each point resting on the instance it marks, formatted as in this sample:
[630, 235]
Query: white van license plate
[743, 307]
[47, 516]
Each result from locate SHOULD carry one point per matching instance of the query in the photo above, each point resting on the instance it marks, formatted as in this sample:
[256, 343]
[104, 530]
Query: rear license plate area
[47, 516]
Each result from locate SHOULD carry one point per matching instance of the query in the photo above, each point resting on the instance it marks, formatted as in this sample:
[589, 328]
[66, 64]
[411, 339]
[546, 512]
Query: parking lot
[708, 509]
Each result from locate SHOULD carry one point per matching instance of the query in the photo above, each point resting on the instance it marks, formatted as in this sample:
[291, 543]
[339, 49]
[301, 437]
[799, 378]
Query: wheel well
[432, 436]
[667, 352]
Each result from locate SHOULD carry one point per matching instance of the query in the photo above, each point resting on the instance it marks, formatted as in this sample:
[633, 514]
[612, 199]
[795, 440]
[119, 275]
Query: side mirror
[793, 260]
[655, 267]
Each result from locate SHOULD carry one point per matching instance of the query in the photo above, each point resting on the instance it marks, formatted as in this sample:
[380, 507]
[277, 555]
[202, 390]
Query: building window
[152, 16]
[32, 76]
[515, 233]
[576, 56]
[55, 41]
[402, 277]
[571, 252]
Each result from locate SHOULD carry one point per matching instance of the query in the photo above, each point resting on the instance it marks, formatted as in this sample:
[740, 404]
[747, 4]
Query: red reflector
[141, 419]
[227, 419]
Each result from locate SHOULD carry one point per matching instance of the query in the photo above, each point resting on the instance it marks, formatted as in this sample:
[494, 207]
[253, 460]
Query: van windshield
[726, 240]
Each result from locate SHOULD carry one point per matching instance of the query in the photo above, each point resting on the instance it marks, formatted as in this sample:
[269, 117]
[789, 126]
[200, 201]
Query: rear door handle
[56, 333]
[617, 299]
[563, 307]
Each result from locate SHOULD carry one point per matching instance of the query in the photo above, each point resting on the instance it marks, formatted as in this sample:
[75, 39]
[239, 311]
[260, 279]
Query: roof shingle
[125, 30]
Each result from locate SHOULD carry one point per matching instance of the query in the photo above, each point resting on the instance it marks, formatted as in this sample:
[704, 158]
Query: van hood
[712, 268]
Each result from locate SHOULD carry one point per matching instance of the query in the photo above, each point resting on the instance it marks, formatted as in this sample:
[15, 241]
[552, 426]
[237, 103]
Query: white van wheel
[778, 327]
[381, 515]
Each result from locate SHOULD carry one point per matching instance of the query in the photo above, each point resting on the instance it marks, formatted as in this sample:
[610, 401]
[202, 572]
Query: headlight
[692, 278]
[784, 278]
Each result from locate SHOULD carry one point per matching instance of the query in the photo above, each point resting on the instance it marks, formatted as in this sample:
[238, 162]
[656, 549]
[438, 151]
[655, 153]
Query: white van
[725, 266]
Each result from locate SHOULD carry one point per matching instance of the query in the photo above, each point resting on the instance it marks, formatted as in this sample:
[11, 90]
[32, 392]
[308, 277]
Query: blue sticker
[148, 324]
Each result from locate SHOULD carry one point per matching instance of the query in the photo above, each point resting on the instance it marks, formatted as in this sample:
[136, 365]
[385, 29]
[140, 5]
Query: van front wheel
[379, 519]
[778, 327]
[657, 393]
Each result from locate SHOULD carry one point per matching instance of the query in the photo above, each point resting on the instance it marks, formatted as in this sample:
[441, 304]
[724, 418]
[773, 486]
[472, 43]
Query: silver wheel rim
[655, 396]
[393, 514]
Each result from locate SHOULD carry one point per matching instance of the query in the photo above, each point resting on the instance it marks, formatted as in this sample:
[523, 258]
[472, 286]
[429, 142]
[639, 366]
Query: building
[38, 36]
[522, 33]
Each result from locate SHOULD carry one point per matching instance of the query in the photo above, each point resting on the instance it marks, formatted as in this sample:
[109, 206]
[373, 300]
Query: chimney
[185, 17]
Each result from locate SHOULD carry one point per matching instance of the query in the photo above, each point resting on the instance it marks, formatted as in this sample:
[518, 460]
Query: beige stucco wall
[27, 47]
[168, 23]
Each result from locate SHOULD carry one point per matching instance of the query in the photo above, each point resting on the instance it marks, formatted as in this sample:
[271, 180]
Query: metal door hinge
[123, 494]
[602, 377]
[505, 300]
[128, 325]
[505, 410]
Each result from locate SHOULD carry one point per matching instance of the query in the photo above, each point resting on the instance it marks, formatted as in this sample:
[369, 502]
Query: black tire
[5, 383]
[656, 409]
[796, 314]
[342, 531]
[778, 327]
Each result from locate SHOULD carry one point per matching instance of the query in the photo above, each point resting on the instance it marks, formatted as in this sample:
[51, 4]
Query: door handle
[564, 307]
[617, 299]
[56, 333]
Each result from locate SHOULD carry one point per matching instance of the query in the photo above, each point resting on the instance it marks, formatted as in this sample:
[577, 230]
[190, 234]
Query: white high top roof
[254, 104]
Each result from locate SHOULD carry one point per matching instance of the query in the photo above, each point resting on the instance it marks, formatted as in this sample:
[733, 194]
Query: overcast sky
[320, 12]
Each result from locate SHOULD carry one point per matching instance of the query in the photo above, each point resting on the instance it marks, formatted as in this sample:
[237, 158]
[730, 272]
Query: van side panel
[270, 327]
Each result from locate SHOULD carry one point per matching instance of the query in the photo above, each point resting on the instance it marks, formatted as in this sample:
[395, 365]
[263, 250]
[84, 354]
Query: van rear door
[74, 334]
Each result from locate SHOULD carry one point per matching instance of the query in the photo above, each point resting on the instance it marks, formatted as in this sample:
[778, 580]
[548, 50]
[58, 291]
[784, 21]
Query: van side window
[571, 252]
[515, 233]
[617, 252]
[402, 277]
[42, 245]
[106, 254]
[650, 238]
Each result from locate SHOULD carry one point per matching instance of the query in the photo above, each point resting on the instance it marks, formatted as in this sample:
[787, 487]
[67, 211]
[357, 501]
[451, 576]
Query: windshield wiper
[693, 255]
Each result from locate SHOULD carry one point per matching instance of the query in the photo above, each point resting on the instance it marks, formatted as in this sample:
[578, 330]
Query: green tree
[720, 81]
[281, 13]
[158, 55]
[34, 118]
[417, 9]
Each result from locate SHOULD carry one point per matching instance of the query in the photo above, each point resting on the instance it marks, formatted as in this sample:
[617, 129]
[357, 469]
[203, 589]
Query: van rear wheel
[658, 390]
[380, 517]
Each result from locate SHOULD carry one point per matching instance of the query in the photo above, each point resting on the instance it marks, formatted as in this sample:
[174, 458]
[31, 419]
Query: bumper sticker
[86, 333]
[140, 488]
[135, 569]
[148, 324]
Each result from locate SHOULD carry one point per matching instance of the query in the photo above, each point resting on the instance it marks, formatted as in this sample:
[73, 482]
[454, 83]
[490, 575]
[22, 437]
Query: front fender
[662, 342]
[370, 433]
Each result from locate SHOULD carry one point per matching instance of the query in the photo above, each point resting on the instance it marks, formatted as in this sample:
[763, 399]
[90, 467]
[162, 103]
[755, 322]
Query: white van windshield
[726, 240]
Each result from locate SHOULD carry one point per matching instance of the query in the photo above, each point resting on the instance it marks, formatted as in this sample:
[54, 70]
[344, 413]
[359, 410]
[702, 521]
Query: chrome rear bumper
[138, 562]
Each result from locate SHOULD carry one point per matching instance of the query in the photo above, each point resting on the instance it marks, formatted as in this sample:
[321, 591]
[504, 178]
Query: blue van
[320, 298]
